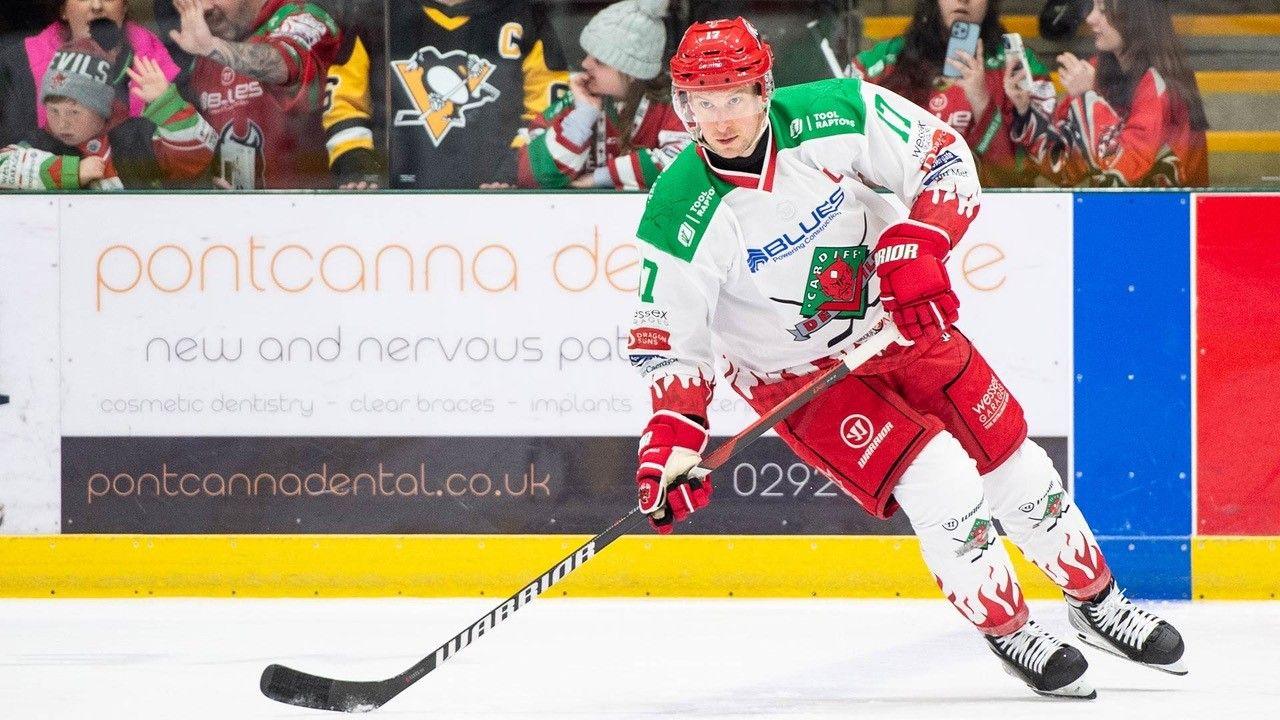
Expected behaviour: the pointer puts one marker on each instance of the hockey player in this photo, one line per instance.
(765, 244)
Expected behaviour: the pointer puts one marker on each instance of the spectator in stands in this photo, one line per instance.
(23, 63)
(1132, 116)
(258, 78)
(78, 148)
(617, 129)
(975, 104)
(465, 77)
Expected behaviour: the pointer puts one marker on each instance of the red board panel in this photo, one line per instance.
(1238, 364)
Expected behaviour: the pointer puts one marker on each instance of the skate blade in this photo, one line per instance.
(1078, 690)
(1177, 667)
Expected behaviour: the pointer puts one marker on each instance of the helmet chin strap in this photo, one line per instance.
(764, 127)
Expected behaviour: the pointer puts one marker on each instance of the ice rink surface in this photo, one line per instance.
(610, 659)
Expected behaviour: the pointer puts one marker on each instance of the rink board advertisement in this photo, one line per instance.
(431, 484)
(438, 315)
(342, 364)
(297, 368)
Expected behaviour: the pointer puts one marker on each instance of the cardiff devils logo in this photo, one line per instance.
(981, 536)
(836, 289)
(837, 282)
(1054, 505)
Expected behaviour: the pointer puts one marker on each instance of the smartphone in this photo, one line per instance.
(1013, 48)
(964, 38)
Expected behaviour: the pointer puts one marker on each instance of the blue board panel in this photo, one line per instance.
(1149, 567)
(1132, 317)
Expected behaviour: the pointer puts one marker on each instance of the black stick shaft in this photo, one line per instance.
(303, 689)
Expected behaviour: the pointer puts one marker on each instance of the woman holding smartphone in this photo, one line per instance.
(962, 83)
(1132, 116)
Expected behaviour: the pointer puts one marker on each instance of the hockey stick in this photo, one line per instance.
(295, 687)
(824, 46)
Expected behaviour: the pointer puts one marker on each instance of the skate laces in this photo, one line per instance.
(1117, 616)
(1030, 646)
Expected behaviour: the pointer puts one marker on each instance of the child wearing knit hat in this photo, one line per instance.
(616, 129)
(78, 149)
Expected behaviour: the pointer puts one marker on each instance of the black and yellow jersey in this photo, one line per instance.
(437, 96)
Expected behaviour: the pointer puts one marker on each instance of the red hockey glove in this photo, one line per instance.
(670, 447)
(914, 285)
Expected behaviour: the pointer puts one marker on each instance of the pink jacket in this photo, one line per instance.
(42, 46)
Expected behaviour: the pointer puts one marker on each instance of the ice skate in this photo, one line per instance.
(1047, 665)
(1111, 622)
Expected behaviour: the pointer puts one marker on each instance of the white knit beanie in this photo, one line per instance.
(629, 36)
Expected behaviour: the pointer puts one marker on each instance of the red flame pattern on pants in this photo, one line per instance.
(1046, 524)
(1080, 570)
(1000, 608)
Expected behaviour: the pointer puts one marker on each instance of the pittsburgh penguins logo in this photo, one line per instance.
(442, 88)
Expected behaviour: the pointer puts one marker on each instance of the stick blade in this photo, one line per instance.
(294, 687)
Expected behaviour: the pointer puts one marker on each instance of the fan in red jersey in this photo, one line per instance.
(259, 79)
(965, 91)
(1132, 117)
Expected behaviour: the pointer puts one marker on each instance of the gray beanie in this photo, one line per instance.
(80, 71)
(629, 36)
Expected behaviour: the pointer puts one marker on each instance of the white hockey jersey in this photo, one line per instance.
(773, 272)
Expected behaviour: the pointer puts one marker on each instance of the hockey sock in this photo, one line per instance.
(1043, 520)
(941, 493)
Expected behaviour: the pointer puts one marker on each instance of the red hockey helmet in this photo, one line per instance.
(720, 53)
(714, 57)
